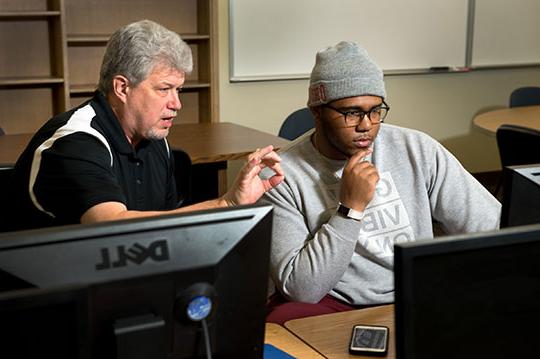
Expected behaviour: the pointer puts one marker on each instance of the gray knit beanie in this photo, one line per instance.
(342, 71)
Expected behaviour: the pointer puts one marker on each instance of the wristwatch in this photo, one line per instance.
(349, 212)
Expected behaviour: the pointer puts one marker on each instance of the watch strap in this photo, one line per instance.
(349, 212)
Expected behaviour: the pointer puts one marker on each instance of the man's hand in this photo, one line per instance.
(248, 186)
(358, 181)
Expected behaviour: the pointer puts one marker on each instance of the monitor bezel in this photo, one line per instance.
(256, 220)
(405, 255)
(514, 199)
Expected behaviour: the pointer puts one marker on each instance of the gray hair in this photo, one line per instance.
(135, 49)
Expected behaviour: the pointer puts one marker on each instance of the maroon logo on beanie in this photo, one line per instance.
(317, 94)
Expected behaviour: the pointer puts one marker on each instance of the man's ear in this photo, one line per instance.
(120, 87)
(316, 112)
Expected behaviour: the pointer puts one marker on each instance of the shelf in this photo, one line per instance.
(85, 40)
(194, 37)
(195, 85)
(28, 15)
(82, 89)
(29, 81)
(52, 52)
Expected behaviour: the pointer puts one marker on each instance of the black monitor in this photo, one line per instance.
(521, 196)
(146, 288)
(469, 296)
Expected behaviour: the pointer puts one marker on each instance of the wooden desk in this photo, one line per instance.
(330, 334)
(222, 141)
(204, 142)
(209, 145)
(281, 338)
(526, 116)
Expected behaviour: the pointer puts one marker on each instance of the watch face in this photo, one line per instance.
(343, 210)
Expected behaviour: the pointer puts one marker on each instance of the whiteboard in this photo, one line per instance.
(278, 39)
(506, 32)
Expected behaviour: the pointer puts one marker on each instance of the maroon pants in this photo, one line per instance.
(281, 310)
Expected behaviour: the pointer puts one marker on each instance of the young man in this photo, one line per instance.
(108, 159)
(356, 186)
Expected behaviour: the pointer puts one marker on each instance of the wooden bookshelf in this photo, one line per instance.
(52, 52)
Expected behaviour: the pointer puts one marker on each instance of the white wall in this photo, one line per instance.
(442, 105)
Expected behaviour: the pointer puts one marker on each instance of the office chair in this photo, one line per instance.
(525, 96)
(517, 146)
(6, 172)
(182, 176)
(296, 124)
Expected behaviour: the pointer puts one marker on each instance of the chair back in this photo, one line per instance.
(296, 124)
(6, 173)
(518, 145)
(525, 96)
(182, 176)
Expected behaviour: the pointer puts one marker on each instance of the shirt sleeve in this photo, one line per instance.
(458, 201)
(306, 266)
(73, 175)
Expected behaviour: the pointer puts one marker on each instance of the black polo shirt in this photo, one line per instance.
(82, 158)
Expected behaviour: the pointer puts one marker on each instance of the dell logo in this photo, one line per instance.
(137, 254)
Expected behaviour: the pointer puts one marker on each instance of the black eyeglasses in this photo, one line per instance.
(355, 116)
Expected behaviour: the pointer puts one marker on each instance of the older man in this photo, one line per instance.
(108, 158)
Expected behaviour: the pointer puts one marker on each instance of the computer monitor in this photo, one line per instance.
(122, 289)
(469, 296)
(521, 196)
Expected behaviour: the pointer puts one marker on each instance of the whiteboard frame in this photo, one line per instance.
(233, 77)
(468, 65)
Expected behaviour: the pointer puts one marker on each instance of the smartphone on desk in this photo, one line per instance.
(369, 340)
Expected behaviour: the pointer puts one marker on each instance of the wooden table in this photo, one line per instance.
(526, 116)
(282, 339)
(222, 141)
(209, 145)
(204, 142)
(330, 334)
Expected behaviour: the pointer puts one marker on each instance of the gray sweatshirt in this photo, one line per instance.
(316, 251)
